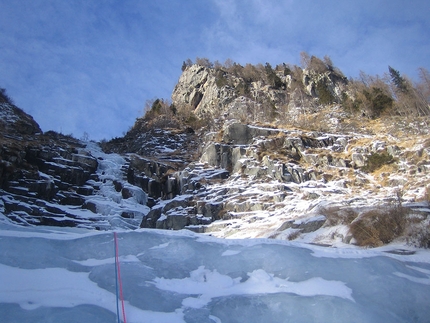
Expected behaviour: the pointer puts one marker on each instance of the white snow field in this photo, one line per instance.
(68, 275)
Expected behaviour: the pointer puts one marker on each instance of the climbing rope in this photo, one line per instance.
(118, 283)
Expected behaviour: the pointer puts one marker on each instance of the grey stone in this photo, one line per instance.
(358, 159)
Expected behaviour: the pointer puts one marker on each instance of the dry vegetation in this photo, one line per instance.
(418, 234)
(382, 225)
(294, 235)
(162, 114)
(379, 226)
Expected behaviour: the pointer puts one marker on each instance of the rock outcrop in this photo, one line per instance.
(217, 93)
(15, 122)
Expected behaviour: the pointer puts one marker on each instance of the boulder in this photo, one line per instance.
(71, 198)
(150, 219)
(305, 225)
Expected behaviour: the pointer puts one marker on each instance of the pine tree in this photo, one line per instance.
(398, 80)
(272, 78)
(4, 97)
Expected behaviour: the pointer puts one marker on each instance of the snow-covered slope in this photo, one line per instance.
(68, 275)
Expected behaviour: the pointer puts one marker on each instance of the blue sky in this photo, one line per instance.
(90, 65)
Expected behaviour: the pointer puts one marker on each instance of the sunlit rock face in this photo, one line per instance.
(221, 93)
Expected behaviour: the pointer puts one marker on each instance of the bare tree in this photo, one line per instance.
(328, 62)
(424, 85)
(203, 61)
(305, 59)
(228, 63)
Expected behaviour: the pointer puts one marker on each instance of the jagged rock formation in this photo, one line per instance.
(216, 93)
(50, 179)
(237, 177)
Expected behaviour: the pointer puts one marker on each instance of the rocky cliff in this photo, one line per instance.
(52, 179)
(273, 159)
(254, 93)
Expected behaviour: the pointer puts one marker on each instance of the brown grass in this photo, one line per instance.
(379, 226)
(386, 170)
(294, 235)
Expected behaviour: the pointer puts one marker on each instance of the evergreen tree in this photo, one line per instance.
(272, 78)
(398, 80)
(4, 97)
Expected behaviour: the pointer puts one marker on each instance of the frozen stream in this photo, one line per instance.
(68, 275)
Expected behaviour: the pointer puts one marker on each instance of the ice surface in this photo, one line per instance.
(68, 275)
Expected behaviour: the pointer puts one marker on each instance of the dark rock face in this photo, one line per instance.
(174, 148)
(41, 173)
(15, 122)
(244, 141)
(46, 171)
(188, 209)
(175, 214)
(38, 171)
(152, 177)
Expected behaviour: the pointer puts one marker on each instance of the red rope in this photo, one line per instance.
(121, 297)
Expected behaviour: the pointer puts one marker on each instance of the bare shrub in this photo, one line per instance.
(163, 122)
(317, 65)
(294, 235)
(305, 59)
(370, 96)
(186, 116)
(418, 235)
(203, 61)
(411, 100)
(250, 73)
(379, 226)
(156, 107)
